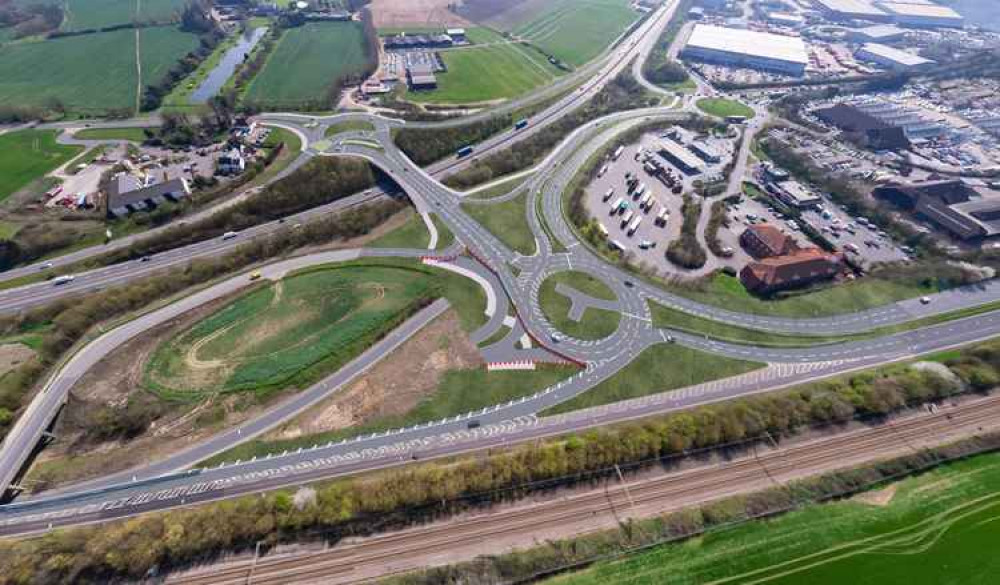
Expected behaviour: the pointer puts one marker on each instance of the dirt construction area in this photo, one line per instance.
(415, 13)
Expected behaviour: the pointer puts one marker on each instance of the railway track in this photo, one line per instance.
(371, 557)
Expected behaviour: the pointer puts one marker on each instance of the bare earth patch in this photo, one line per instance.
(415, 13)
(13, 355)
(396, 384)
(880, 498)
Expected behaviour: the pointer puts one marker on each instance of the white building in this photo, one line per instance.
(922, 15)
(746, 48)
(231, 162)
(851, 10)
(880, 33)
(890, 58)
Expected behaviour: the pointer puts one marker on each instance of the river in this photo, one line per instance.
(227, 65)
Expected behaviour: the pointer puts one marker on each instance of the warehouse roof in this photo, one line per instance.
(679, 153)
(851, 7)
(881, 31)
(930, 10)
(748, 42)
(895, 55)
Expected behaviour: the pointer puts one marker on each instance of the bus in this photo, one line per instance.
(634, 225)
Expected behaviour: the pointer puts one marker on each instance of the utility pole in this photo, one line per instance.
(253, 565)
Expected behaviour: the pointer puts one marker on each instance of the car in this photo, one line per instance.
(670, 339)
(629, 283)
(555, 337)
(145, 259)
(925, 300)
(646, 245)
(255, 275)
(45, 266)
(473, 424)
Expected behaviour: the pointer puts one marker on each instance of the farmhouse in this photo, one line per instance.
(766, 241)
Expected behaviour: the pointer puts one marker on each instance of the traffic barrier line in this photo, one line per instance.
(516, 365)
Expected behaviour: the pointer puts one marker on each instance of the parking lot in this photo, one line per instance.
(647, 243)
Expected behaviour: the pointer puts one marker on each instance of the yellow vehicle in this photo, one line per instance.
(255, 275)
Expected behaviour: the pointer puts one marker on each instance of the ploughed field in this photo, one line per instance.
(288, 333)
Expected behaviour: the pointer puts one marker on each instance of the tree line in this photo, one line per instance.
(400, 497)
(427, 145)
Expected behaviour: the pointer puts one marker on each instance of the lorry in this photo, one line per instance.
(229, 235)
(646, 201)
(662, 217)
(616, 205)
(521, 124)
(464, 151)
(64, 279)
(602, 229)
(618, 153)
(639, 192)
(608, 194)
(634, 225)
(603, 170)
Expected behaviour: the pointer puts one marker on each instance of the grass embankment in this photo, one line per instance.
(723, 107)
(658, 369)
(667, 318)
(595, 323)
(451, 397)
(307, 59)
(349, 126)
(27, 155)
(865, 293)
(932, 530)
(412, 234)
(290, 333)
(507, 221)
(500, 189)
(119, 133)
(513, 70)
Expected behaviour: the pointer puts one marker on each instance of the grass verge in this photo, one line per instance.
(658, 369)
(507, 222)
(595, 323)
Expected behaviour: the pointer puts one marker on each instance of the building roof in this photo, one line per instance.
(798, 192)
(985, 212)
(800, 266)
(748, 42)
(927, 10)
(881, 31)
(773, 239)
(680, 153)
(859, 7)
(851, 119)
(894, 55)
(785, 17)
(118, 198)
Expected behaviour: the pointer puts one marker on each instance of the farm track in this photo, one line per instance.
(410, 549)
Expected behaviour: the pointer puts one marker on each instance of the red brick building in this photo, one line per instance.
(799, 268)
(765, 241)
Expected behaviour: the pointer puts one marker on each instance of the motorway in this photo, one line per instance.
(175, 482)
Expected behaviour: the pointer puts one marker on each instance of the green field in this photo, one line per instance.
(349, 126)
(306, 62)
(507, 221)
(27, 155)
(576, 31)
(939, 528)
(864, 293)
(288, 332)
(595, 323)
(90, 73)
(120, 133)
(90, 14)
(722, 107)
(514, 69)
(658, 369)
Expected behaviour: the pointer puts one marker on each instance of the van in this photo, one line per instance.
(64, 279)
(229, 235)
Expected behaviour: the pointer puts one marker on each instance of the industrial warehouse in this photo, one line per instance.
(746, 48)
